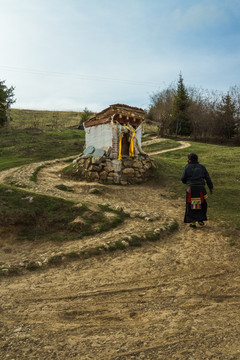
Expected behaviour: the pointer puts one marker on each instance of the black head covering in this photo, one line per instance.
(193, 157)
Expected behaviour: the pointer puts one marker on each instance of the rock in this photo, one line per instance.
(137, 164)
(18, 329)
(79, 221)
(128, 171)
(109, 167)
(109, 180)
(29, 198)
(96, 160)
(93, 175)
(103, 175)
(127, 238)
(118, 207)
(147, 165)
(116, 178)
(162, 228)
(98, 153)
(117, 165)
(87, 163)
(149, 218)
(123, 182)
(94, 168)
(137, 174)
(109, 215)
(127, 163)
(5, 271)
(76, 160)
(89, 150)
(134, 213)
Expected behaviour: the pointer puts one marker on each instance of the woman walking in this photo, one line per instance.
(194, 176)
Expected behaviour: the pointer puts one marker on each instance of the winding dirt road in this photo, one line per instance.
(177, 298)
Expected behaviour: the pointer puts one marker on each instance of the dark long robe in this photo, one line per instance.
(196, 204)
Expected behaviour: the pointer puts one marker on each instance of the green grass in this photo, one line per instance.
(35, 173)
(162, 145)
(45, 218)
(146, 138)
(63, 187)
(222, 163)
(44, 119)
(20, 147)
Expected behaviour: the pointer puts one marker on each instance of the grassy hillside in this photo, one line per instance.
(44, 119)
(24, 146)
(222, 163)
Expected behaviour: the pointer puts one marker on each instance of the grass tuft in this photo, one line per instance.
(35, 173)
(64, 188)
(32, 266)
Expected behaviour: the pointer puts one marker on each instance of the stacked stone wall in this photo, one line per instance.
(129, 170)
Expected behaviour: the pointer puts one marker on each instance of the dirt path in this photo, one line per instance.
(154, 140)
(177, 298)
(183, 145)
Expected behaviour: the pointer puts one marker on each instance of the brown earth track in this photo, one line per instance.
(178, 298)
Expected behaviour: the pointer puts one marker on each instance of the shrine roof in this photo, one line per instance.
(131, 113)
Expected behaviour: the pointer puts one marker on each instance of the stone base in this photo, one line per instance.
(129, 170)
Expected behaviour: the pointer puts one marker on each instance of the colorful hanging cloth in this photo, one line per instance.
(131, 146)
(196, 197)
(120, 148)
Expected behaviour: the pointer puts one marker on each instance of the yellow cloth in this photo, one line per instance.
(120, 148)
(131, 146)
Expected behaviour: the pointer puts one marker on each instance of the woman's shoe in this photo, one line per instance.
(201, 223)
(193, 226)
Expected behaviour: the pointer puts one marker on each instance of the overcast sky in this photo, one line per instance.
(72, 54)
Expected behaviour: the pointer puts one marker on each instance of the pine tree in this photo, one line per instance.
(181, 122)
(6, 99)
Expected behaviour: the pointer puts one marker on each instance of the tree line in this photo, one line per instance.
(200, 114)
(177, 110)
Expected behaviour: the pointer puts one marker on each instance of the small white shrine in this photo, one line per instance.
(118, 128)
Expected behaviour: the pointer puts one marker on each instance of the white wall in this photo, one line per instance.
(139, 134)
(106, 135)
(99, 136)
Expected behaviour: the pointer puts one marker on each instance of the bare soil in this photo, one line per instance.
(177, 298)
